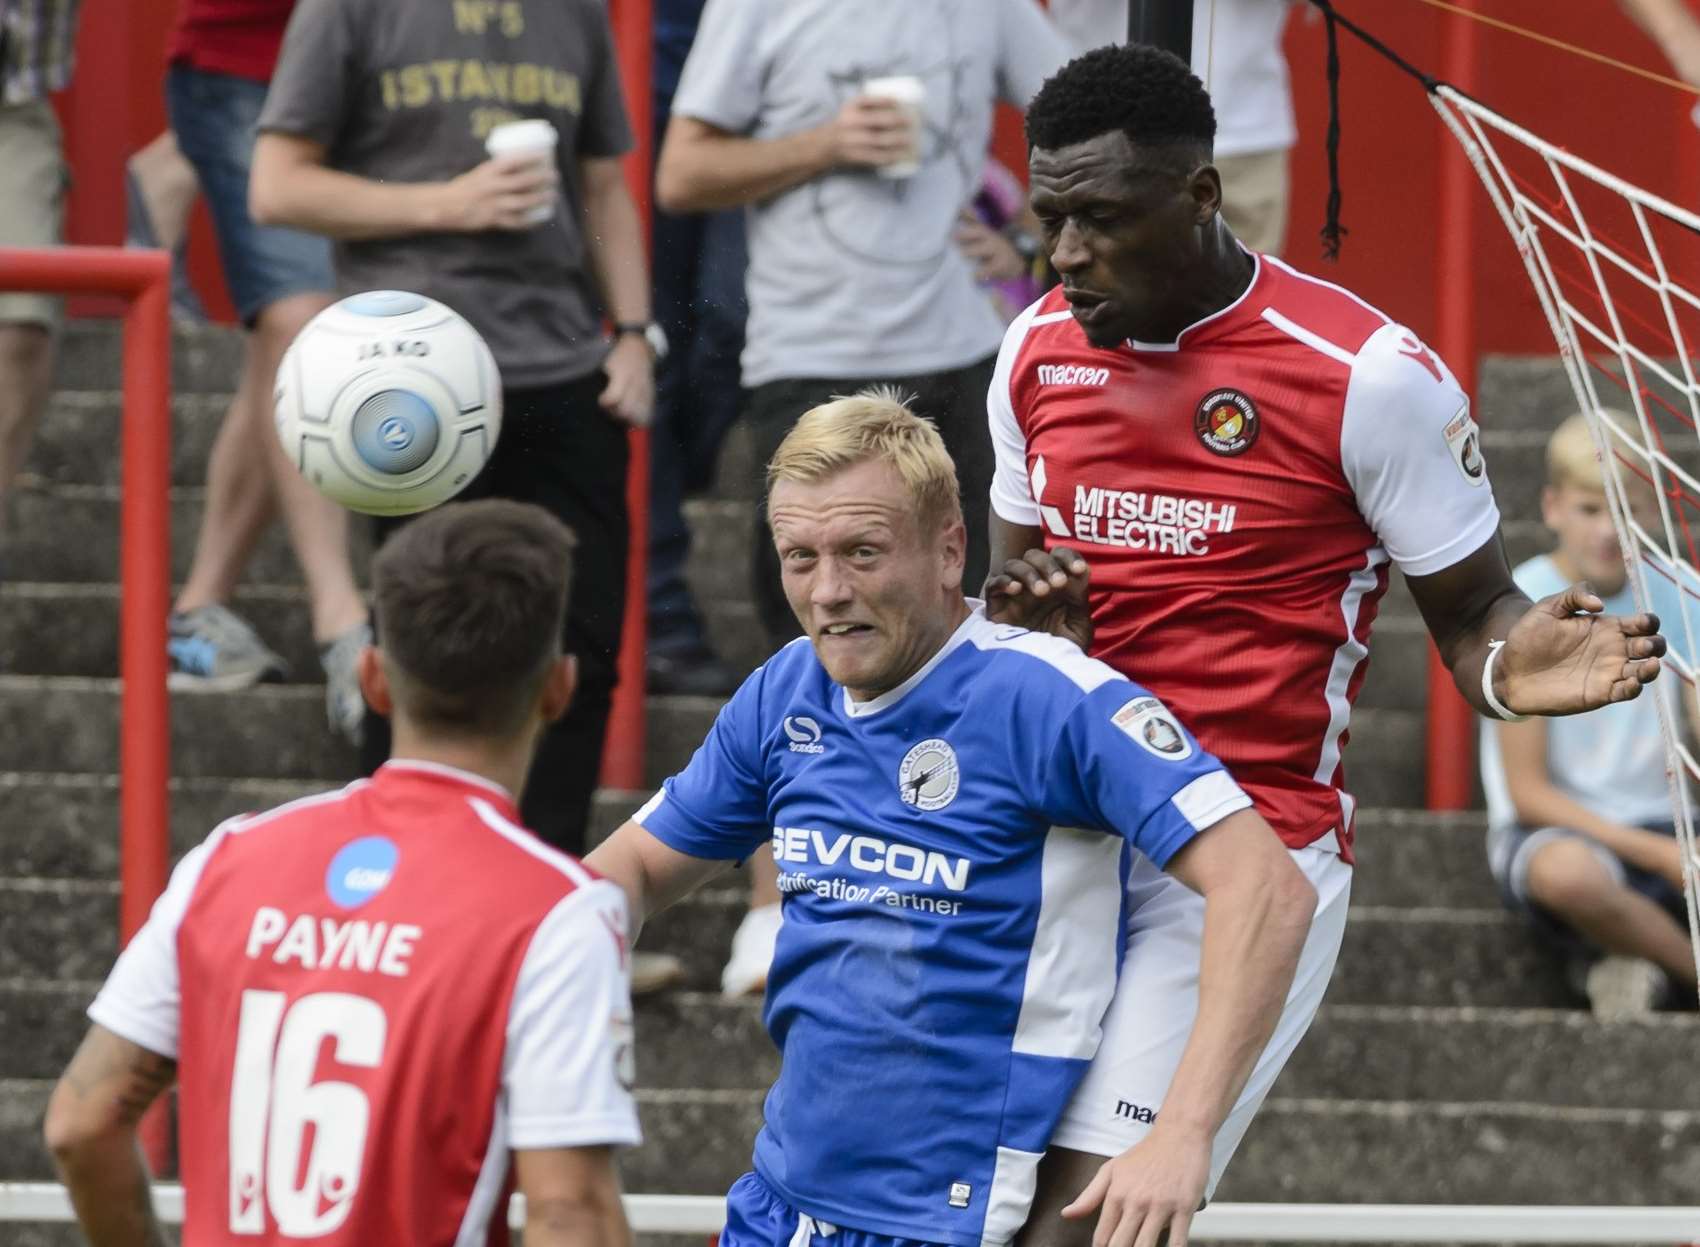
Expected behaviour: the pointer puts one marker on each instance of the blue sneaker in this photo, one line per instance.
(213, 650)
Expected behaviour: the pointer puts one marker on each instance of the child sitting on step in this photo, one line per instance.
(1580, 830)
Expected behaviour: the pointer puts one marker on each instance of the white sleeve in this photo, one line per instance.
(140, 999)
(1012, 492)
(1413, 455)
(567, 1071)
(724, 72)
(1033, 49)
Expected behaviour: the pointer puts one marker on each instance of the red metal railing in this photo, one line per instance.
(622, 756)
(143, 279)
(1451, 726)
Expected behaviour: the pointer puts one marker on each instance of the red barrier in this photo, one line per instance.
(1451, 728)
(143, 280)
(622, 756)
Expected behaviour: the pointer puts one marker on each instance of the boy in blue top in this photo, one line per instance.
(953, 806)
(1580, 826)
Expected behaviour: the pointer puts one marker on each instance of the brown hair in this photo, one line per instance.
(470, 603)
(874, 424)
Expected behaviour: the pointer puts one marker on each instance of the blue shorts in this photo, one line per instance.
(757, 1217)
(213, 116)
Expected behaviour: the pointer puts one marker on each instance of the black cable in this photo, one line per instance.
(1332, 231)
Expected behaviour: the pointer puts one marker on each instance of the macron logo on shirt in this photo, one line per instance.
(1072, 374)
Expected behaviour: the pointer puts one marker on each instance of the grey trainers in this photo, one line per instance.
(1621, 989)
(345, 705)
(214, 650)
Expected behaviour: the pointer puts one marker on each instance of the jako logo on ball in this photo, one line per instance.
(361, 870)
(388, 402)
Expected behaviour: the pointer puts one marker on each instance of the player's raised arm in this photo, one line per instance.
(91, 1131)
(1411, 451)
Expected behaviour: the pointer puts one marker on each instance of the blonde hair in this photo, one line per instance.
(875, 424)
(1571, 455)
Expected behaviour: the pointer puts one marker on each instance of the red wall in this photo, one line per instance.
(1390, 150)
(1392, 140)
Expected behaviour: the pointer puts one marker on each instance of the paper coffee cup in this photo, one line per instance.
(535, 138)
(910, 93)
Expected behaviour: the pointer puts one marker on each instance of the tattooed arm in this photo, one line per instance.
(91, 1131)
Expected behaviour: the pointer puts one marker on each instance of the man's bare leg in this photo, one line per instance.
(318, 527)
(240, 497)
(1063, 1174)
(168, 187)
(26, 375)
(1566, 879)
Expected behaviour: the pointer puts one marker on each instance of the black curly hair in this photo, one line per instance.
(1150, 95)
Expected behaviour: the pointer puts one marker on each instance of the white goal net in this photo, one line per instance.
(1608, 260)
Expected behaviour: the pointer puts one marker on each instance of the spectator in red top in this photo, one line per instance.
(222, 54)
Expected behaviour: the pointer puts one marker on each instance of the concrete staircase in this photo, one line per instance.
(1449, 1064)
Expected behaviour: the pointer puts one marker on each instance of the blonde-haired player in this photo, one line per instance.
(1579, 809)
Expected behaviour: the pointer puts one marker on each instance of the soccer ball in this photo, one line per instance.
(388, 402)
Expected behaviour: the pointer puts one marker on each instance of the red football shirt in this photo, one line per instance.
(373, 996)
(1239, 494)
(236, 37)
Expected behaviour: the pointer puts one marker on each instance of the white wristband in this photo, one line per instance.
(1487, 686)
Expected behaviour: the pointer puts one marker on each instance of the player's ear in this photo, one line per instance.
(558, 688)
(1205, 186)
(953, 551)
(374, 682)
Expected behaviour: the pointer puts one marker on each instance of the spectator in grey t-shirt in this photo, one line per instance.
(854, 278)
(373, 134)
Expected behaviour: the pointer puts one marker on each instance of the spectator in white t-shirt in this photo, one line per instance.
(1236, 50)
(1580, 827)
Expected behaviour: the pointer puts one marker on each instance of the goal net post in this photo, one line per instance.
(1607, 261)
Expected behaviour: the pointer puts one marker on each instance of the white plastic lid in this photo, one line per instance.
(534, 134)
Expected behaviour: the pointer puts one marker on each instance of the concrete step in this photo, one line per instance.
(72, 629)
(68, 533)
(1418, 859)
(693, 1040)
(278, 731)
(274, 731)
(65, 826)
(204, 358)
(1459, 957)
(56, 928)
(1309, 1151)
(1298, 1150)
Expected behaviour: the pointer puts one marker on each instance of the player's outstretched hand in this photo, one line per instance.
(1564, 657)
(1156, 1185)
(1045, 591)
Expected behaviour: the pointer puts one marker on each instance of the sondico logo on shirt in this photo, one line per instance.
(1072, 374)
(805, 734)
(1134, 519)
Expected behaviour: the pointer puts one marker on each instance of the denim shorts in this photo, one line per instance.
(1512, 847)
(213, 116)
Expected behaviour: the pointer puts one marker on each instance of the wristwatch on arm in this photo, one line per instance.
(649, 331)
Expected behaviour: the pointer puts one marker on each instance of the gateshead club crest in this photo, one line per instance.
(1226, 422)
